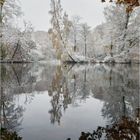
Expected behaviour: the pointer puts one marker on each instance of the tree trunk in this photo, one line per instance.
(75, 43)
(0, 13)
(111, 48)
(125, 29)
(65, 46)
(124, 106)
(85, 47)
(59, 32)
(15, 50)
(1, 31)
(1, 6)
(1, 27)
(85, 76)
(0, 23)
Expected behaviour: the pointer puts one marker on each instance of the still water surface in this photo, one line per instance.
(56, 102)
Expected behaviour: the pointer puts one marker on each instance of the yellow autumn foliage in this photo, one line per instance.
(130, 4)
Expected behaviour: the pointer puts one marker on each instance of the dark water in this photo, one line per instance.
(49, 102)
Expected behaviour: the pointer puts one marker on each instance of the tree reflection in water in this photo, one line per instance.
(65, 89)
(11, 114)
(125, 128)
(107, 83)
(119, 89)
(117, 86)
(60, 95)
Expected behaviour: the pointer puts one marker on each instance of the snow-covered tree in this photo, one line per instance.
(1, 25)
(60, 29)
(120, 25)
(75, 31)
(67, 27)
(17, 44)
(85, 30)
(130, 5)
(1, 8)
(10, 9)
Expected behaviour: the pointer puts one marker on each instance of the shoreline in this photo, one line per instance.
(15, 62)
(70, 62)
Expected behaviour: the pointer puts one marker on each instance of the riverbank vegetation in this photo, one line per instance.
(69, 39)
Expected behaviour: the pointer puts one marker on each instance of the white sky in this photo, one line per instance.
(36, 11)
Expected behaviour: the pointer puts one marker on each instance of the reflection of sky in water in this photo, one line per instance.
(36, 123)
(81, 98)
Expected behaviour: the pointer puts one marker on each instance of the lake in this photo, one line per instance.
(56, 102)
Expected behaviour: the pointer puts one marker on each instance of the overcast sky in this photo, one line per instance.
(36, 11)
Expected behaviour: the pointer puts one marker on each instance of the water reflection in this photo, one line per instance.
(68, 86)
(125, 128)
(10, 114)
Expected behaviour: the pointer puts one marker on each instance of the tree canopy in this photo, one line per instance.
(130, 4)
